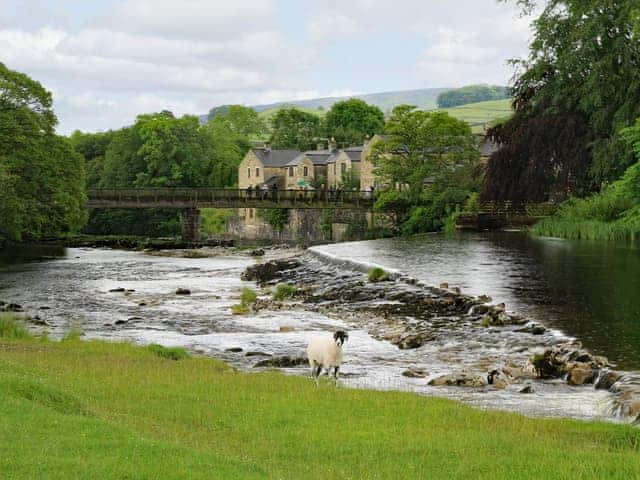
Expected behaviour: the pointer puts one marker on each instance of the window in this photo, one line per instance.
(257, 172)
(305, 172)
(291, 171)
(248, 173)
(343, 168)
(251, 213)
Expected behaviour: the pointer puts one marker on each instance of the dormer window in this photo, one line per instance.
(305, 171)
(291, 171)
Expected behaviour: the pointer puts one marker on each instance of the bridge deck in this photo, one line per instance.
(226, 198)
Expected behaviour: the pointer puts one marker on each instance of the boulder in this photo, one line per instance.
(533, 329)
(444, 285)
(234, 350)
(117, 290)
(580, 374)
(282, 362)
(528, 389)
(497, 379)
(286, 329)
(258, 252)
(459, 380)
(121, 322)
(257, 354)
(268, 271)
(183, 291)
(414, 372)
(410, 341)
(606, 379)
(549, 364)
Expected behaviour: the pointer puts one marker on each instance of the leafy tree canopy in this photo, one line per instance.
(294, 129)
(472, 94)
(41, 176)
(422, 145)
(351, 120)
(583, 70)
(243, 121)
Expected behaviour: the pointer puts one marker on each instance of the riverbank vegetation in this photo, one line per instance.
(41, 177)
(575, 99)
(93, 409)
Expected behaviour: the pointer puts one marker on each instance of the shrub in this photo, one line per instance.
(248, 296)
(239, 309)
(284, 290)
(13, 328)
(170, 353)
(378, 274)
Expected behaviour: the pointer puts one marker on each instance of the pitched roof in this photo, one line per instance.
(354, 153)
(275, 158)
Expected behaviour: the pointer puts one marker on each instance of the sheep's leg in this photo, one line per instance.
(335, 374)
(315, 373)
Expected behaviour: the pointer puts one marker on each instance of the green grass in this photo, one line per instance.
(377, 274)
(112, 411)
(481, 113)
(284, 291)
(240, 309)
(170, 353)
(11, 326)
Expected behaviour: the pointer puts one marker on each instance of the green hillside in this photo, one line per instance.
(479, 114)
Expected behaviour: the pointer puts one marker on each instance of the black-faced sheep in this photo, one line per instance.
(325, 352)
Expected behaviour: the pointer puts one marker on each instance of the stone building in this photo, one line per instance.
(323, 168)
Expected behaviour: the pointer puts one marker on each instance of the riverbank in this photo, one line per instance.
(111, 410)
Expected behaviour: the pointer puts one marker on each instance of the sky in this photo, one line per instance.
(105, 61)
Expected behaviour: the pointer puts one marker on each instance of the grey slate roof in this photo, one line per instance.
(275, 158)
(354, 153)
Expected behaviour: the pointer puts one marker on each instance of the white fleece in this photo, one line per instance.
(324, 352)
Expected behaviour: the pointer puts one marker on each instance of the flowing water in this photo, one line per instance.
(581, 290)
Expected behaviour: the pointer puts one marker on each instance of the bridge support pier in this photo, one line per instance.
(190, 218)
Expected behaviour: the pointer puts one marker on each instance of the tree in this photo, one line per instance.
(294, 129)
(471, 94)
(583, 70)
(41, 176)
(351, 120)
(422, 145)
(244, 121)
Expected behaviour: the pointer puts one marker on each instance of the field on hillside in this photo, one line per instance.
(267, 114)
(78, 409)
(478, 114)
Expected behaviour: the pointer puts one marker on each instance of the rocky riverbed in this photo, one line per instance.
(464, 330)
(404, 334)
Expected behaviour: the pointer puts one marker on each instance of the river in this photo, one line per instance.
(582, 290)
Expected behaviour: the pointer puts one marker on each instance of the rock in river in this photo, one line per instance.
(413, 372)
(282, 362)
(459, 380)
(183, 291)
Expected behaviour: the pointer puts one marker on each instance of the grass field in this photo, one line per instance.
(79, 409)
(478, 114)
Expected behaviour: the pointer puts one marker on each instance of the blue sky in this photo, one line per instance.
(106, 61)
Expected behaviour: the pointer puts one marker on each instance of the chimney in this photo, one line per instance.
(267, 147)
(332, 144)
(320, 146)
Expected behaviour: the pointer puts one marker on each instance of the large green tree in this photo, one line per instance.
(422, 145)
(351, 120)
(578, 88)
(41, 176)
(294, 129)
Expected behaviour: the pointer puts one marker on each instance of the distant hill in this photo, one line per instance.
(476, 114)
(425, 99)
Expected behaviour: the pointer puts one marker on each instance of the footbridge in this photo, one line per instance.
(189, 200)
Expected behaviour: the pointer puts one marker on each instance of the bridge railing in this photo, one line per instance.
(204, 195)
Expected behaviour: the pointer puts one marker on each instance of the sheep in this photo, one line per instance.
(326, 353)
